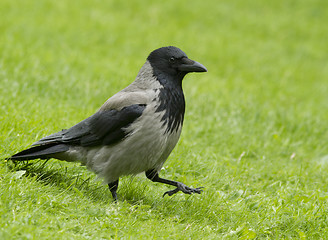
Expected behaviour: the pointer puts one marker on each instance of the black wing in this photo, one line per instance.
(102, 128)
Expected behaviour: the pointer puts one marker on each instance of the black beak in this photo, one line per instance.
(187, 65)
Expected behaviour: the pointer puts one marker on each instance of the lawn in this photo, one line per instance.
(255, 134)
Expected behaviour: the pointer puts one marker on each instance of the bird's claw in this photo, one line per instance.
(185, 189)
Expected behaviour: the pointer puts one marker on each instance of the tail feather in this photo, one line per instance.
(41, 151)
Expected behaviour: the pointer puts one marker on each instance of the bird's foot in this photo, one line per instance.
(113, 188)
(185, 189)
(114, 197)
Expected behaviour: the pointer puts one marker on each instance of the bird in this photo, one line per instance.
(134, 131)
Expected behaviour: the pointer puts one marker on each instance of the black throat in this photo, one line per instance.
(172, 102)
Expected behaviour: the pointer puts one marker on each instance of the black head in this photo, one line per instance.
(171, 61)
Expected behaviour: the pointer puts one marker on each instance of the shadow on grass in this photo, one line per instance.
(72, 177)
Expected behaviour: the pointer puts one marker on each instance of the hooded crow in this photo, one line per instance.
(134, 131)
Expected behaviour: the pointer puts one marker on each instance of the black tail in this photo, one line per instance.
(42, 151)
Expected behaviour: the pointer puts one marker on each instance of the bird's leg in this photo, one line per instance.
(153, 176)
(113, 188)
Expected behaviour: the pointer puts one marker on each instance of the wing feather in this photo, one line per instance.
(102, 128)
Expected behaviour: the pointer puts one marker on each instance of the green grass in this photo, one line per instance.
(255, 133)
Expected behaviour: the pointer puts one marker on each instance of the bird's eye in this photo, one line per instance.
(172, 60)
